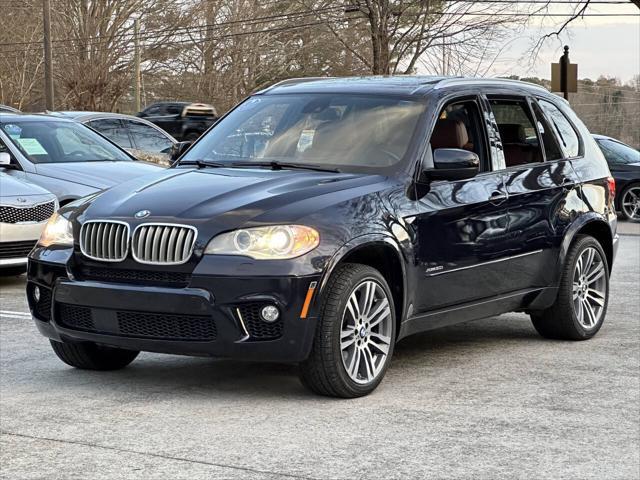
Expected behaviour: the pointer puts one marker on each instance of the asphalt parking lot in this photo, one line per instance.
(488, 399)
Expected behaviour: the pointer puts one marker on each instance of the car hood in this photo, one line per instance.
(99, 175)
(12, 187)
(228, 197)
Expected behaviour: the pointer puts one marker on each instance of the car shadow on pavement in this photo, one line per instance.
(170, 376)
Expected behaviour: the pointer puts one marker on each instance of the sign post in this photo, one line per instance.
(564, 75)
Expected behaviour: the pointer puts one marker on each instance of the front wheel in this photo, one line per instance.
(91, 356)
(355, 334)
(583, 296)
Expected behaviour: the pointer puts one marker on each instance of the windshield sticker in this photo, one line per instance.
(306, 140)
(32, 146)
(13, 131)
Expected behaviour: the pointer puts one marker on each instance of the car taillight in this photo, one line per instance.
(611, 182)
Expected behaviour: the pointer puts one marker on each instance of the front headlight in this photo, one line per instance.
(279, 242)
(57, 231)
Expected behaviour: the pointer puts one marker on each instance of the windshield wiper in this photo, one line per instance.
(283, 165)
(203, 163)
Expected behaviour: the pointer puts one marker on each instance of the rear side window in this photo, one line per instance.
(148, 138)
(618, 153)
(174, 109)
(517, 132)
(113, 129)
(567, 136)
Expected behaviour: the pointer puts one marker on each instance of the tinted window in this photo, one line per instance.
(148, 138)
(618, 153)
(459, 126)
(344, 131)
(567, 136)
(60, 141)
(551, 148)
(517, 132)
(113, 129)
(174, 109)
(153, 110)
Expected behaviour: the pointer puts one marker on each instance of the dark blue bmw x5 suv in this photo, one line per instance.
(322, 221)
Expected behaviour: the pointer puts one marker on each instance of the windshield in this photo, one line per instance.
(618, 153)
(60, 141)
(347, 132)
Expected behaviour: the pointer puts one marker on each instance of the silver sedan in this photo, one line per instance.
(24, 211)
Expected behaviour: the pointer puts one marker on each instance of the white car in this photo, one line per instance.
(24, 211)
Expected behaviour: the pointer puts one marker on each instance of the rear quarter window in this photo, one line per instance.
(562, 128)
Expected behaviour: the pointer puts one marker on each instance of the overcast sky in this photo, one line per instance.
(599, 45)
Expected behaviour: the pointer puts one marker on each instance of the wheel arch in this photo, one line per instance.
(594, 226)
(382, 253)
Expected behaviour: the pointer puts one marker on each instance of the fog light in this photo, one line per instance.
(269, 313)
(36, 294)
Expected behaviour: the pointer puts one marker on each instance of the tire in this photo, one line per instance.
(630, 202)
(90, 356)
(326, 371)
(569, 318)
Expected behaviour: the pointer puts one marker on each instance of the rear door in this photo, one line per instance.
(541, 184)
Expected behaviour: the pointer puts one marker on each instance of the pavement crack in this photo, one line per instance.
(158, 455)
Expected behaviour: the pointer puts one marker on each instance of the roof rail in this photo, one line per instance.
(293, 81)
(479, 80)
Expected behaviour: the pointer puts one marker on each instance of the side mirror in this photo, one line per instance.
(453, 164)
(5, 159)
(178, 149)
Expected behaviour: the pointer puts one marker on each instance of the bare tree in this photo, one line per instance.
(21, 57)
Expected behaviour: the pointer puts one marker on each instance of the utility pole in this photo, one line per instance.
(136, 33)
(48, 62)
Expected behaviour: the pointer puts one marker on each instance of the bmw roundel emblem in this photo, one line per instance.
(142, 214)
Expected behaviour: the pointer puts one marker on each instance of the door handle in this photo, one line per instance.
(497, 197)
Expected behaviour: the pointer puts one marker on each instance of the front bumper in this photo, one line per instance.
(209, 316)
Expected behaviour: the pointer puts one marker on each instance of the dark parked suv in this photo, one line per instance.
(322, 221)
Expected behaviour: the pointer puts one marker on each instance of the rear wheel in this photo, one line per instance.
(90, 356)
(583, 296)
(630, 202)
(355, 335)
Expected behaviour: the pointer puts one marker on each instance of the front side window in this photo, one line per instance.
(459, 126)
(113, 129)
(148, 138)
(563, 129)
(60, 141)
(517, 132)
(618, 153)
(348, 132)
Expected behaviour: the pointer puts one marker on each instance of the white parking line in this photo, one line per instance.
(9, 313)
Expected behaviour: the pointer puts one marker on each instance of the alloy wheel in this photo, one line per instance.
(366, 329)
(589, 288)
(631, 203)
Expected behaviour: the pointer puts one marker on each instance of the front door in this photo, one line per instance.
(461, 227)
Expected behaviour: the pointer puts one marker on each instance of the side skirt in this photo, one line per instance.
(477, 310)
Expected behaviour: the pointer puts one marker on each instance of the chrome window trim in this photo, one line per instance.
(163, 224)
(98, 259)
